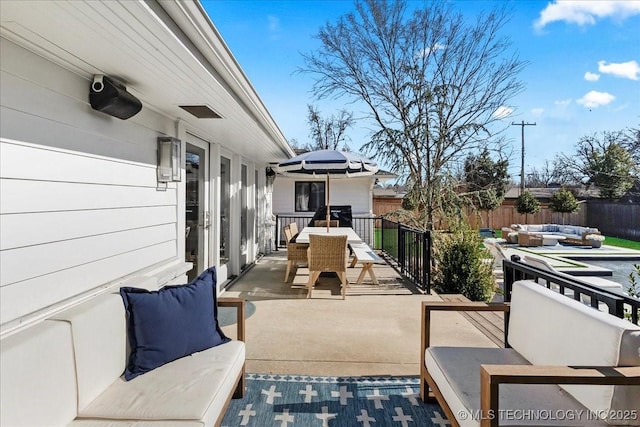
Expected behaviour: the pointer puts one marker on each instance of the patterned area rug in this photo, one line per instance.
(308, 401)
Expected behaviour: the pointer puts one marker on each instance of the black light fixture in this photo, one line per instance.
(111, 97)
(271, 176)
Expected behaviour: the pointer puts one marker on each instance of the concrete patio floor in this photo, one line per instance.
(374, 331)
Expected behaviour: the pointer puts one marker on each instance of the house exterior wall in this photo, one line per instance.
(81, 211)
(80, 204)
(356, 192)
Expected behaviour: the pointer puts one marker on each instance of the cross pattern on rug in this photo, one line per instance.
(307, 401)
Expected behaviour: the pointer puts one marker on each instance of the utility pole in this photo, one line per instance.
(522, 124)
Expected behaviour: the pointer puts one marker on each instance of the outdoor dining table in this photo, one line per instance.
(352, 237)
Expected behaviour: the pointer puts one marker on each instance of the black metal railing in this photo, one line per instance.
(618, 303)
(409, 249)
(362, 225)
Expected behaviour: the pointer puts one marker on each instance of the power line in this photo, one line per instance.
(522, 124)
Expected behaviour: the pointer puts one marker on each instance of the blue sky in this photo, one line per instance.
(583, 76)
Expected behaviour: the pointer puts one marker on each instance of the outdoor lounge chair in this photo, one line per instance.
(327, 253)
(296, 252)
(597, 282)
(499, 255)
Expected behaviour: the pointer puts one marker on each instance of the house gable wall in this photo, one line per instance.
(343, 191)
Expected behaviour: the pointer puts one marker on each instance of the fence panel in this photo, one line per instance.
(615, 219)
(507, 214)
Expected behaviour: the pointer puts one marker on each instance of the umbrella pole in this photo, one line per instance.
(327, 204)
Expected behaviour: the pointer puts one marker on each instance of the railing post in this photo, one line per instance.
(426, 262)
(401, 249)
(276, 233)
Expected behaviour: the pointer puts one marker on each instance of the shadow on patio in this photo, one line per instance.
(375, 331)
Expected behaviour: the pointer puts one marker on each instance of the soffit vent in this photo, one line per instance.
(201, 111)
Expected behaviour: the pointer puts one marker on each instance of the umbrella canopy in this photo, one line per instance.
(328, 163)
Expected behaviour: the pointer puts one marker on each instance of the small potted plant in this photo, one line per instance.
(595, 240)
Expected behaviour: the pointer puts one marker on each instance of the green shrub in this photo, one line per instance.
(459, 268)
(526, 204)
(633, 289)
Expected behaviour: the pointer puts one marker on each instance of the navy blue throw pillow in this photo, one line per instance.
(170, 323)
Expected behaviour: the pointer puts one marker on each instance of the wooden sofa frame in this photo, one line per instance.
(239, 305)
(492, 376)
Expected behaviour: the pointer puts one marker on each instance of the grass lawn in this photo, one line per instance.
(622, 243)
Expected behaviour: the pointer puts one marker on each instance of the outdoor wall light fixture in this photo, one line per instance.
(169, 159)
(109, 96)
(271, 176)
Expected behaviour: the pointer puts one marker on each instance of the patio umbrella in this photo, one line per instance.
(328, 163)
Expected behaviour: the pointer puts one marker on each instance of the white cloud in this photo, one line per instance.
(586, 12)
(273, 25)
(595, 99)
(502, 112)
(627, 70)
(537, 111)
(591, 77)
(429, 50)
(562, 103)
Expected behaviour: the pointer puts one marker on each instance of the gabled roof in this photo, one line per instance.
(547, 192)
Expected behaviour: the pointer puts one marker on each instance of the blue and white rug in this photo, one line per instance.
(308, 401)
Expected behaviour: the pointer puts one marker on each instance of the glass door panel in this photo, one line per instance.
(225, 208)
(196, 209)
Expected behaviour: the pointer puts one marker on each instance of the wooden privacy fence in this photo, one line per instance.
(611, 218)
(507, 214)
(615, 219)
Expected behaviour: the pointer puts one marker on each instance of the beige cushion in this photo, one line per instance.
(551, 329)
(456, 371)
(193, 388)
(99, 338)
(38, 381)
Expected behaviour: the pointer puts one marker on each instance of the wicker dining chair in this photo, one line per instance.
(294, 229)
(327, 253)
(323, 223)
(296, 252)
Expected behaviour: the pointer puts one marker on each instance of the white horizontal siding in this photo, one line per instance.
(17, 162)
(344, 191)
(43, 196)
(80, 206)
(41, 292)
(68, 254)
(27, 229)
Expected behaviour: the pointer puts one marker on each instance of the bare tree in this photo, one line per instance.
(328, 133)
(549, 173)
(431, 81)
(604, 160)
(630, 140)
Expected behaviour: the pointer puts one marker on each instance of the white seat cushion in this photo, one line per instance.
(192, 388)
(456, 371)
(99, 332)
(551, 329)
(38, 380)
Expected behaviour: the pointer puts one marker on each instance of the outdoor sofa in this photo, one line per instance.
(68, 370)
(531, 234)
(559, 348)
